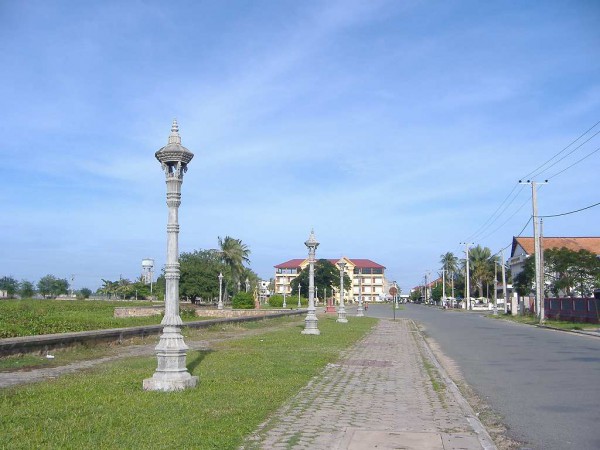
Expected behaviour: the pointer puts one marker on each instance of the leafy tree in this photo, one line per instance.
(50, 286)
(436, 292)
(85, 292)
(481, 268)
(10, 285)
(26, 289)
(327, 275)
(569, 270)
(200, 274)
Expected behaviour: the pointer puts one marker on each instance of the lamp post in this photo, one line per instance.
(247, 284)
(220, 306)
(360, 311)
(341, 310)
(171, 373)
(284, 304)
(396, 295)
(239, 286)
(299, 289)
(310, 323)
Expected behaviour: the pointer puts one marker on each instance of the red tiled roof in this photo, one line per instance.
(366, 263)
(291, 264)
(591, 244)
(359, 263)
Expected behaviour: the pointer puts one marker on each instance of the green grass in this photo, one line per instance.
(241, 383)
(530, 319)
(34, 317)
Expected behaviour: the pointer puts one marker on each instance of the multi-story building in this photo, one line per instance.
(363, 273)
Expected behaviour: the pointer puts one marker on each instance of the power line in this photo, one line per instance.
(506, 221)
(539, 167)
(576, 162)
(572, 212)
(568, 154)
(483, 227)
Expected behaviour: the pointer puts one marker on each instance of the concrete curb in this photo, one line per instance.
(484, 438)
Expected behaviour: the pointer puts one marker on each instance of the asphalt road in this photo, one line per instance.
(544, 383)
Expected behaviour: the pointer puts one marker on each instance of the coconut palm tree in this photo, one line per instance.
(234, 253)
(450, 264)
(482, 267)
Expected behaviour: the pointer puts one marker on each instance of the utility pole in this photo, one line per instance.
(443, 287)
(542, 298)
(495, 288)
(426, 289)
(504, 283)
(539, 275)
(467, 277)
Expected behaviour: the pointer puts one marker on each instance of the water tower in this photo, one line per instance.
(148, 271)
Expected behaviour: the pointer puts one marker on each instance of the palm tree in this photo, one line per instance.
(450, 265)
(482, 266)
(234, 253)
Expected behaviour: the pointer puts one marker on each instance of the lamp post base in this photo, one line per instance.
(360, 311)
(342, 315)
(171, 373)
(310, 324)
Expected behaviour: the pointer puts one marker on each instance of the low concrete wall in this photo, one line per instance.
(43, 343)
(138, 311)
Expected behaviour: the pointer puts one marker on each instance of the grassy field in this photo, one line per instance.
(34, 317)
(242, 381)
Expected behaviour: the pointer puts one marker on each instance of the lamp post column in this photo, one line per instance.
(342, 310)
(360, 311)
(172, 374)
(310, 323)
(220, 306)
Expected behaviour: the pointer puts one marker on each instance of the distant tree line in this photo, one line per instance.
(48, 286)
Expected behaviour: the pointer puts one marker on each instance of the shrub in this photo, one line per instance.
(276, 301)
(243, 300)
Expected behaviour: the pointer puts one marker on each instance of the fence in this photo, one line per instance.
(573, 309)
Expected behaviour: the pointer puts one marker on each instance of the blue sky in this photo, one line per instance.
(395, 129)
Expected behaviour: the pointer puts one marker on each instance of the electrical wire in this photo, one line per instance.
(483, 227)
(506, 221)
(568, 154)
(534, 171)
(572, 212)
(576, 162)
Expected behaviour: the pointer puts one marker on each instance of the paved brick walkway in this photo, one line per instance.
(380, 396)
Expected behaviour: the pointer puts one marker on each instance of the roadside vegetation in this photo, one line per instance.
(35, 317)
(532, 319)
(242, 381)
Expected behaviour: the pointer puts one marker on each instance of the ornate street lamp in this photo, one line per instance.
(247, 284)
(342, 310)
(310, 323)
(299, 289)
(360, 311)
(220, 306)
(172, 374)
(284, 303)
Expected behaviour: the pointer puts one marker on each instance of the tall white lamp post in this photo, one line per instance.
(360, 311)
(342, 310)
(284, 304)
(247, 284)
(172, 374)
(220, 305)
(310, 323)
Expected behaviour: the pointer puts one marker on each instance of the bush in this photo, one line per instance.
(276, 301)
(243, 300)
